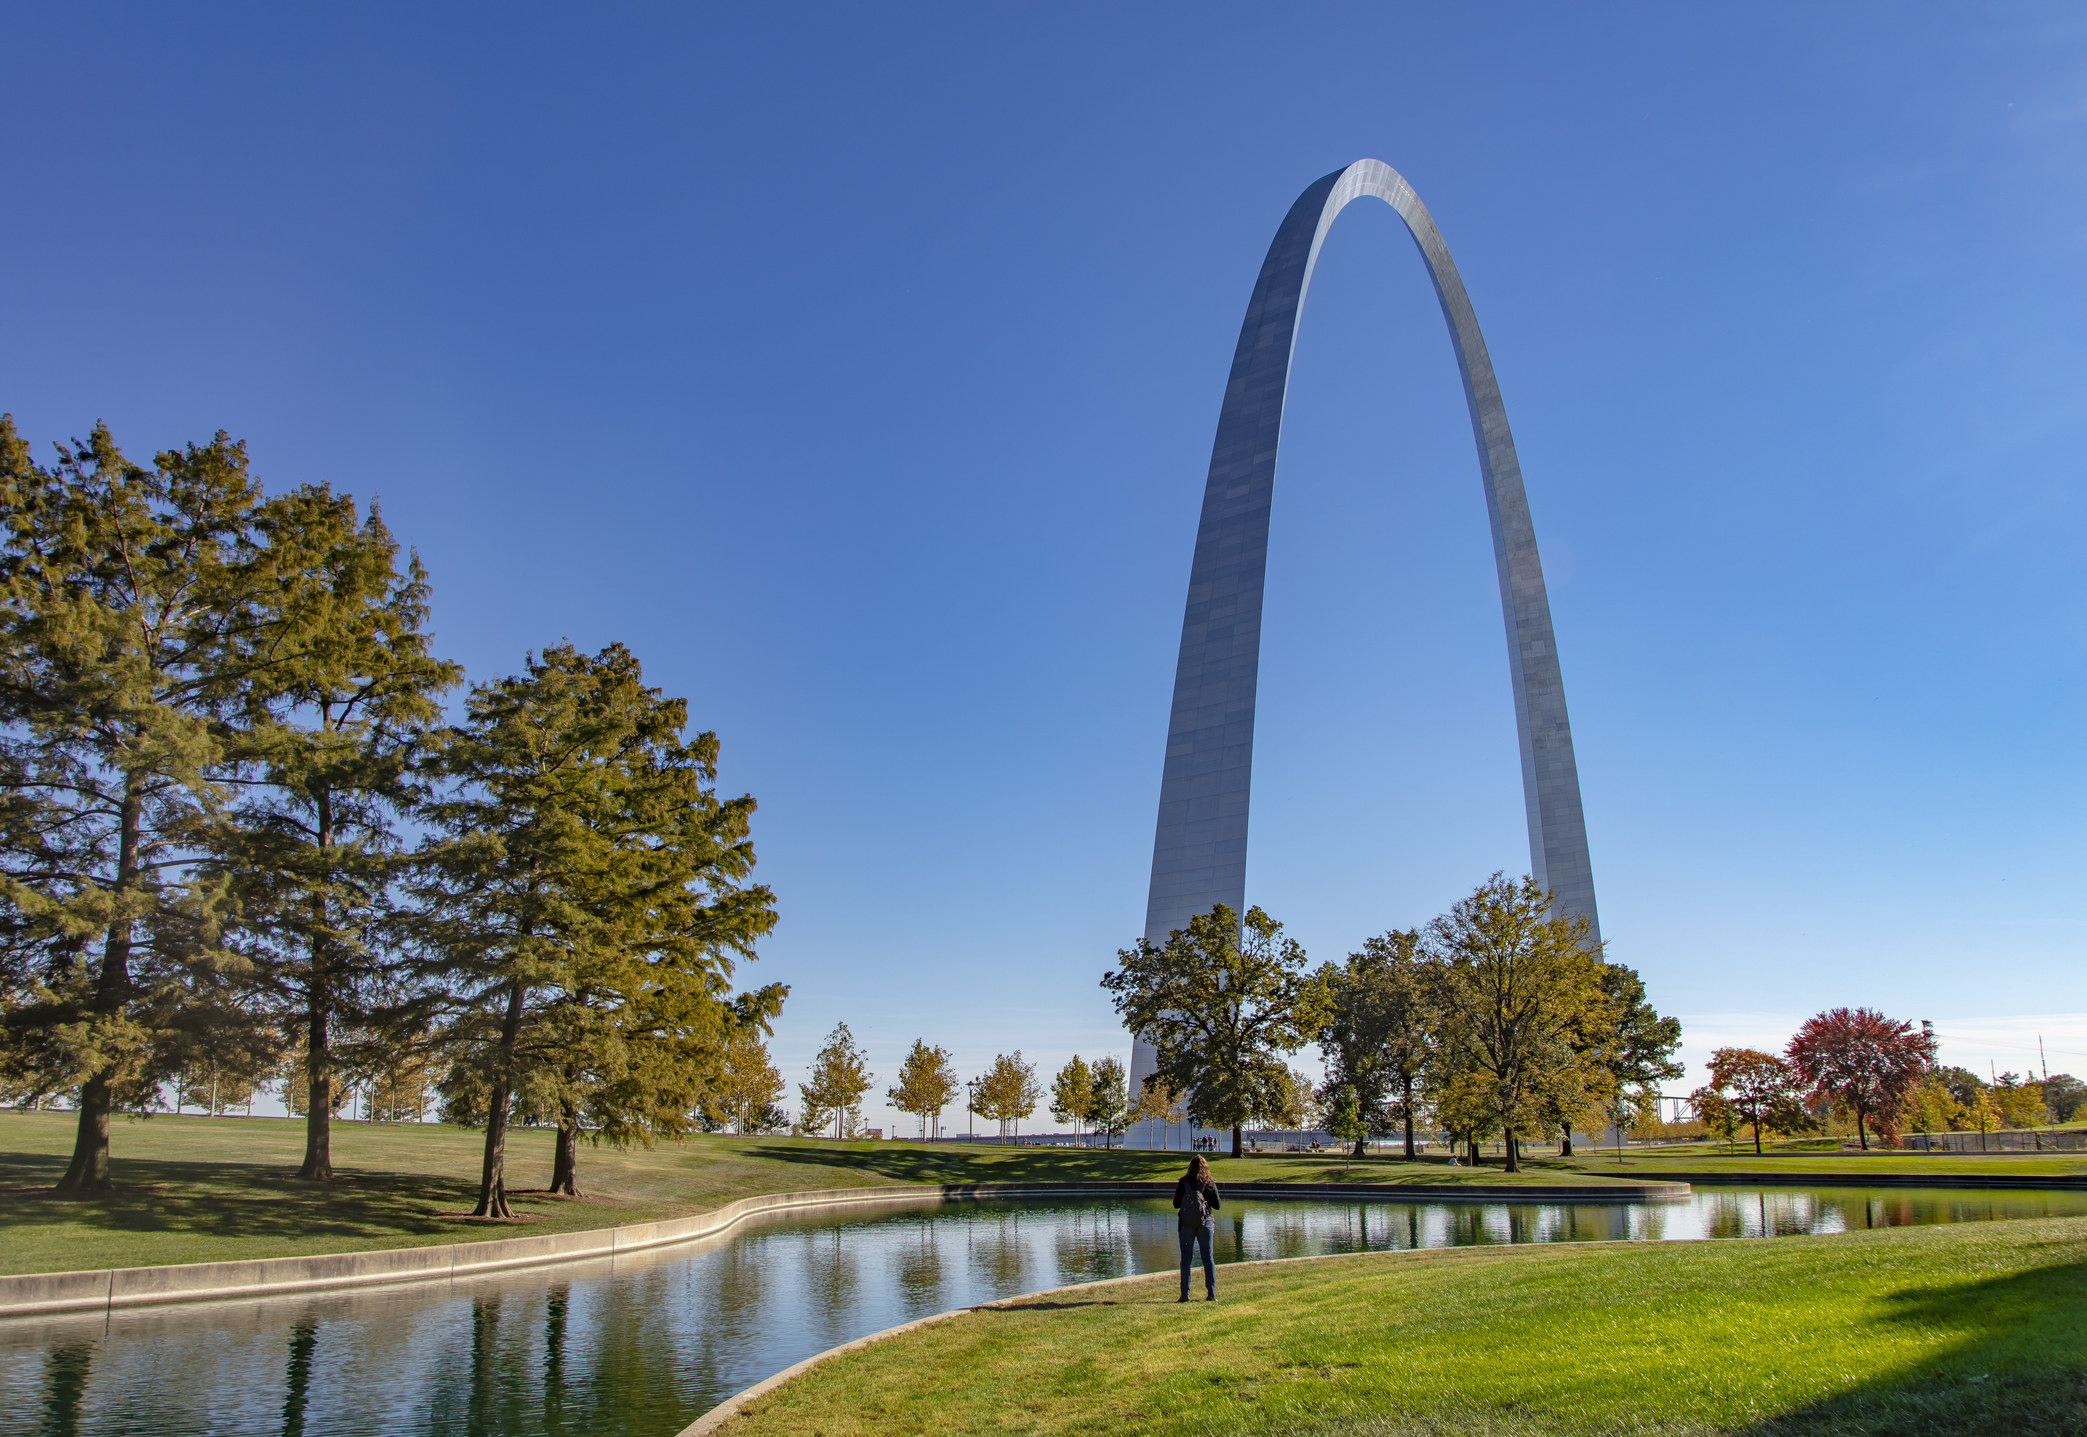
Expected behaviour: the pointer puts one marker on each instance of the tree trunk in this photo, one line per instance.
(1565, 1143)
(88, 1172)
(565, 1164)
(1361, 1148)
(318, 1038)
(1475, 1159)
(1510, 1161)
(492, 1181)
(1861, 1136)
(318, 1112)
(1237, 1150)
(1411, 1152)
(1757, 1137)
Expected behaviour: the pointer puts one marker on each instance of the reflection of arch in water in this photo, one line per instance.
(1199, 846)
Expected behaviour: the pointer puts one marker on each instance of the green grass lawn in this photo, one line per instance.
(1979, 1328)
(195, 1189)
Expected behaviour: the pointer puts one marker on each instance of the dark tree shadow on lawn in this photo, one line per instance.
(231, 1200)
(1002, 1310)
(2019, 1368)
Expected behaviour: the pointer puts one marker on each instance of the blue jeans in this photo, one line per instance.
(1191, 1239)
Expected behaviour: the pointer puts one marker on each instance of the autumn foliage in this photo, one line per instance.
(1864, 1062)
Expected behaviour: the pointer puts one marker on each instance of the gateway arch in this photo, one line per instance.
(1199, 851)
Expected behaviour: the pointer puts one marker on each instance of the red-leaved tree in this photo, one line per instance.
(1759, 1088)
(1862, 1060)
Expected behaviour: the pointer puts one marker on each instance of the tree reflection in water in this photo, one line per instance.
(1091, 1246)
(919, 1271)
(555, 1303)
(298, 1380)
(64, 1385)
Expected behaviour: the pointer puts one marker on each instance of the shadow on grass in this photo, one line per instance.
(1064, 1305)
(2019, 1368)
(2015, 1366)
(230, 1200)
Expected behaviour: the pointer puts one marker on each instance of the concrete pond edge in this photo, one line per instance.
(34, 1294)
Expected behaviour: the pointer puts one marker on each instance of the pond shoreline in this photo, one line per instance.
(44, 1293)
(724, 1411)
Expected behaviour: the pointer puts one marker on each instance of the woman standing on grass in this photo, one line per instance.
(1196, 1198)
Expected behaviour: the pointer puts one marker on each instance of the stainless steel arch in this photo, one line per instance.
(1199, 851)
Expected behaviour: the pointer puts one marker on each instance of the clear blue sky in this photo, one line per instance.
(858, 366)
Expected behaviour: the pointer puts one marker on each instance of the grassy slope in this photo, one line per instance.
(198, 1189)
(1972, 1329)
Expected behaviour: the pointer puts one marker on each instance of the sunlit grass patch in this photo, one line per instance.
(1934, 1330)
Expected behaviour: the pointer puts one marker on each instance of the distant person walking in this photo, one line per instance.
(1195, 1197)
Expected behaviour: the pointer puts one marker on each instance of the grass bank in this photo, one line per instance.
(1957, 1330)
(195, 1189)
(1652, 1163)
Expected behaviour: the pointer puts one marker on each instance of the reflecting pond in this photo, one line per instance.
(643, 1344)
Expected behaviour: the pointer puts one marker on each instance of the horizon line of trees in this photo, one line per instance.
(1495, 1020)
(1878, 1072)
(240, 834)
(1092, 1097)
(1498, 1019)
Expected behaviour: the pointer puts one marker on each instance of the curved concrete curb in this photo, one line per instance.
(37, 1293)
(717, 1416)
(27, 1294)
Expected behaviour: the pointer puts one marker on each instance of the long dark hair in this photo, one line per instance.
(1198, 1170)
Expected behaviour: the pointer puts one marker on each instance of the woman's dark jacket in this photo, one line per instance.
(1195, 1214)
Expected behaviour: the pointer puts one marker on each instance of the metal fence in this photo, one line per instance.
(2000, 1140)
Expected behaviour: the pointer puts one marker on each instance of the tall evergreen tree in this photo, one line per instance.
(126, 599)
(326, 766)
(586, 899)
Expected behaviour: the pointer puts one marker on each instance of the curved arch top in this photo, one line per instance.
(1199, 850)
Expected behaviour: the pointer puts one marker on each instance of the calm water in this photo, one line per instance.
(643, 1345)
